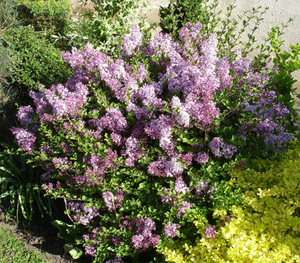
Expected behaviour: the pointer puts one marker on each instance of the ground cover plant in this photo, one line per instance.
(135, 144)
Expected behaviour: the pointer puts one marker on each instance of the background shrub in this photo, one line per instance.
(45, 15)
(106, 25)
(34, 59)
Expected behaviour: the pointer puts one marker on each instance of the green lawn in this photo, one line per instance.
(13, 250)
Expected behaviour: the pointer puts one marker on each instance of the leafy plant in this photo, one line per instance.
(34, 60)
(45, 15)
(105, 26)
(8, 15)
(20, 188)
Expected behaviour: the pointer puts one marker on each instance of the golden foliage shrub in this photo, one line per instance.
(265, 227)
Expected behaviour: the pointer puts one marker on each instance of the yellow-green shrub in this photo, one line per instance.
(265, 227)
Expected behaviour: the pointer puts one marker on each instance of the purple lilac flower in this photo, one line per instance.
(83, 214)
(132, 151)
(277, 139)
(24, 115)
(144, 238)
(145, 241)
(173, 167)
(74, 58)
(90, 250)
(202, 157)
(93, 235)
(182, 116)
(210, 232)
(113, 120)
(132, 41)
(215, 146)
(66, 148)
(62, 163)
(186, 158)
(59, 100)
(183, 207)
(46, 149)
(163, 45)
(47, 187)
(219, 148)
(205, 189)
(25, 138)
(116, 138)
(113, 201)
(180, 186)
(171, 229)
(168, 167)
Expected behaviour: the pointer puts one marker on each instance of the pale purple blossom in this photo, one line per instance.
(83, 214)
(180, 186)
(183, 207)
(144, 238)
(25, 138)
(113, 201)
(132, 41)
(219, 148)
(62, 163)
(202, 157)
(171, 229)
(210, 232)
(24, 115)
(204, 189)
(90, 250)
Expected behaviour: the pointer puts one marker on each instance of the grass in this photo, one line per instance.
(13, 250)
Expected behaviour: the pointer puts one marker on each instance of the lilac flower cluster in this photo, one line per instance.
(25, 138)
(113, 201)
(268, 112)
(219, 148)
(144, 238)
(83, 214)
(171, 230)
(90, 249)
(205, 189)
(210, 232)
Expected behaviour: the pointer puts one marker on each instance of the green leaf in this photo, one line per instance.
(73, 250)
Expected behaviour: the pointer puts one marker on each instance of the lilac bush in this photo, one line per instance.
(134, 143)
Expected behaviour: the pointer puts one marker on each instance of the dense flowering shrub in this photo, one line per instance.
(265, 227)
(135, 144)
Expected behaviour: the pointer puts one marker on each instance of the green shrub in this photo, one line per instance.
(8, 14)
(34, 59)
(265, 227)
(106, 26)
(45, 15)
